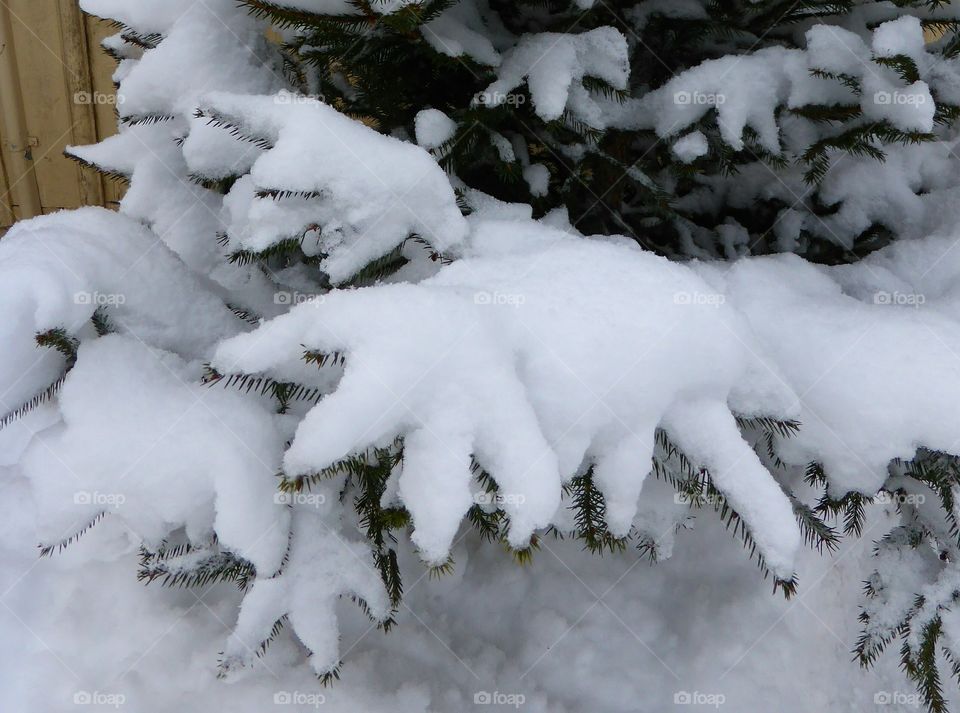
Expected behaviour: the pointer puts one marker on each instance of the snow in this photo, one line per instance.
(434, 128)
(554, 66)
(209, 46)
(490, 626)
(691, 147)
(708, 433)
(746, 90)
(834, 49)
(511, 357)
(161, 194)
(146, 17)
(841, 320)
(903, 36)
(321, 568)
(909, 108)
(811, 338)
(537, 177)
(156, 452)
(499, 322)
(461, 30)
(55, 271)
(373, 190)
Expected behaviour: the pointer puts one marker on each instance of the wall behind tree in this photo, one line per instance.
(66, 95)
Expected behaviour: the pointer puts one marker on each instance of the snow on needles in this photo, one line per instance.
(367, 192)
(747, 90)
(512, 355)
(481, 360)
(55, 271)
(554, 66)
(144, 442)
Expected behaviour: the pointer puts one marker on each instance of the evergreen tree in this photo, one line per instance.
(290, 151)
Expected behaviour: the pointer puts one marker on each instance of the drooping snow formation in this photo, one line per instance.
(479, 361)
(504, 359)
(163, 452)
(375, 190)
(57, 271)
(554, 66)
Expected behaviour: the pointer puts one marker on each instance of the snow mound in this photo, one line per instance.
(554, 66)
(365, 193)
(143, 444)
(57, 270)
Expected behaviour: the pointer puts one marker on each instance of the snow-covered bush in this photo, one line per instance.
(388, 271)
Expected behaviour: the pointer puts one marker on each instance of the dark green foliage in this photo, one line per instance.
(284, 392)
(204, 566)
(927, 540)
(589, 513)
(619, 183)
(281, 254)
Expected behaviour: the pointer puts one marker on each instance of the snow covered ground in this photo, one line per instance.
(571, 633)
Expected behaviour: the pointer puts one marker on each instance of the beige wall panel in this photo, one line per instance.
(59, 57)
(36, 29)
(6, 200)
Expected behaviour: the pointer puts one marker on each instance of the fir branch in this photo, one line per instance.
(146, 119)
(60, 545)
(377, 269)
(589, 509)
(109, 173)
(323, 359)
(902, 65)
(33, 402)
(232, 127)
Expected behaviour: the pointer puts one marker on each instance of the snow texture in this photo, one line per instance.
(554, 65)
(492, 329)
(374, 190)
